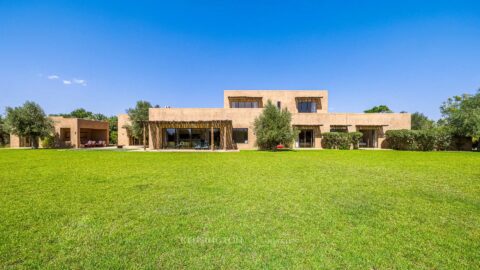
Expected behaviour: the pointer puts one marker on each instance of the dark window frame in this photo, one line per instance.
(240, 138)
(245, 104)
(307, 107)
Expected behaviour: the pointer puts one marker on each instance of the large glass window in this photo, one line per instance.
(306, 138)
(170, 138)
(244, 104)
(200, 138)
(188, 138)
(240, 135)
(307, 107)
(184, 138)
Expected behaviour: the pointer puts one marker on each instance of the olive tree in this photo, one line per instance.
(28, 120)
(139, 119)
(273, 127)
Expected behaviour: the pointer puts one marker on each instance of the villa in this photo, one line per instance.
(231, 127)
(72, 132)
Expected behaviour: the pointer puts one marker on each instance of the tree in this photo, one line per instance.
(379, 109)
(30, 121)
(462, 114)
(139, 119)
(273, 127)
(421, 122)
(4, 136)
(113, 127)
(99, 117)
(84, 114)
(80, 113)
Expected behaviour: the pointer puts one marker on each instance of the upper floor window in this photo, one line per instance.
(307, 107)
(244, 104)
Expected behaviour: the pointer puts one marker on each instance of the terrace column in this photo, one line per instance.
(76, 134)
(212, 144)
(107, 136)
(159, 134)
(317, 139)
(224, 135)
(150, 135)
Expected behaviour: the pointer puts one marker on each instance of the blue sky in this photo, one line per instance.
(409, 55)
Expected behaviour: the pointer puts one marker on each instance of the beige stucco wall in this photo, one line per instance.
(122, 132)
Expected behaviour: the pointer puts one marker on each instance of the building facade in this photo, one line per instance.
(231, 127)
(71, 132)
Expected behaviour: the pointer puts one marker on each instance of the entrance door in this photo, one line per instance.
(369, 138)
(306, 138)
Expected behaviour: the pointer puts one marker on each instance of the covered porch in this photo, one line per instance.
(191, 135)
(373, 135)
(90, 137)
(309, 136)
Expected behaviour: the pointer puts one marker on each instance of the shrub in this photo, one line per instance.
(48, 142)
(424, 140)
(440, 139)
(341, 140)
(113, 137)
(355, 138)
(402, 139)
(443, 139)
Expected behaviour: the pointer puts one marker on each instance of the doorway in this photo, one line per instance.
(369, 138)
(306, 138)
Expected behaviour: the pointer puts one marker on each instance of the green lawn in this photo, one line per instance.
(322, 209)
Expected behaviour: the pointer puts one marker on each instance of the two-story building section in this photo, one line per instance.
(231, 127)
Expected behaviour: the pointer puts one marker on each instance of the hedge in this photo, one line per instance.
(419, 140)
(341, 140)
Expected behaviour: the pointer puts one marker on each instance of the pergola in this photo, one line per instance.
(225, 126)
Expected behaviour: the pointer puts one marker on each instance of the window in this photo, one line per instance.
(279, 104)
(307, 107)
(170, 138)
(245, 104)
(240, 135)
(338, 129)
(191, 138)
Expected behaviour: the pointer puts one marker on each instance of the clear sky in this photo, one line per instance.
(105, 55)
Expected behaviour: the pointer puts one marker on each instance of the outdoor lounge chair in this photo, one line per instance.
(88, 144)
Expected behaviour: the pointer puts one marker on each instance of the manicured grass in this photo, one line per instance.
(322, 209)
